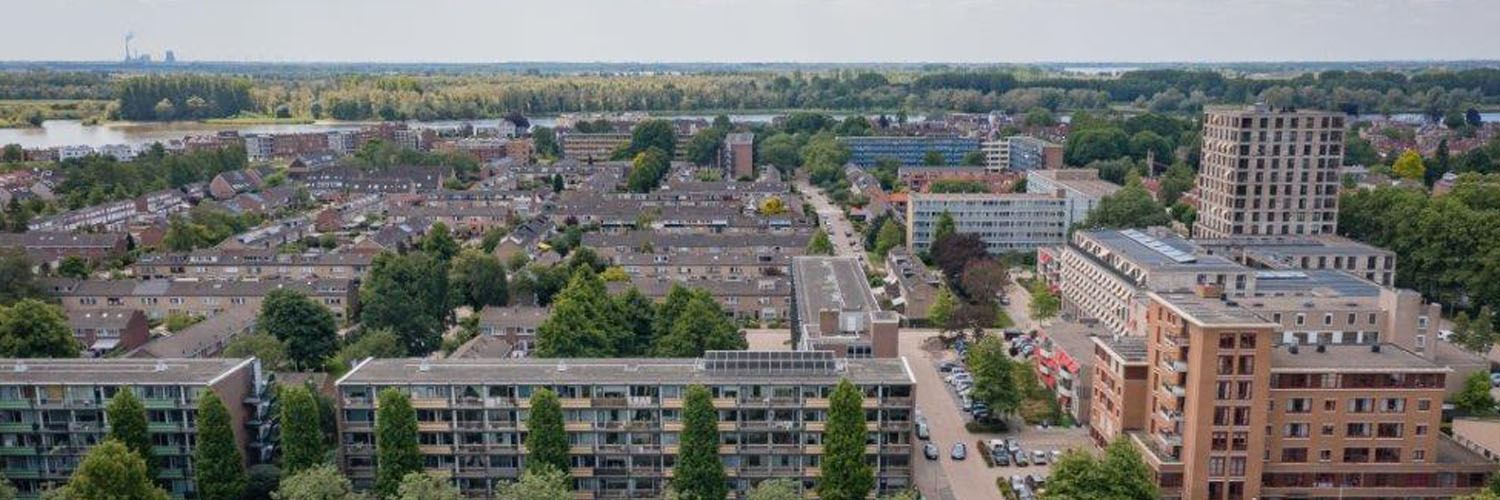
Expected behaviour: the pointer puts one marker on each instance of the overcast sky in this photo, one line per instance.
(754, 30)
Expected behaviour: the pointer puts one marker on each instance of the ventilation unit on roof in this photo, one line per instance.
(161, 366)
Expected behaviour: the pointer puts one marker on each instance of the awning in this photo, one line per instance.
(105, 344)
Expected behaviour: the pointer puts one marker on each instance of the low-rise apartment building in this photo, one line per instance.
(919, 179)
(204, 339)
(764, 299)
(1007, 222)
(737, 156)
(612, 245)
(52, 412)
(160, 298)
(833, 309)
(516, 325)
(692, 268)
(1025, 153)
(1081, 188)
(1119, 371)
(591, 147)
(100, 332)
(218, 265)
(624, 417)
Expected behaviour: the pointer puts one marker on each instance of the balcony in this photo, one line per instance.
(17, 450)
(430, 403)
(610, 402)
(17, 427)
(14, 404)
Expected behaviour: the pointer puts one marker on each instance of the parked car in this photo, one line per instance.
(1039, 457)
(947, 366)
(1011, 445)
(1495, 379)
(1056, 455)
(960, 451)
(1002, 459)
(1037, 480)
(1021, 459)
(1017, 482)
(922, 431)
(930, 450)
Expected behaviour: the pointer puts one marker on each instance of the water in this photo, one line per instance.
(55, 133)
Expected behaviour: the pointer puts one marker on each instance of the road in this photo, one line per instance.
(837, 225)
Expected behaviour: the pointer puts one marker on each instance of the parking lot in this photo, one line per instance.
(971, 478)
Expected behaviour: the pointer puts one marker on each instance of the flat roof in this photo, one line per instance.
(533, 371)
(116, 371)
(1211, 312)
(915, 197)
(1351, 358)
(1075, 338)
(1091, 187)
(836, 283)
(1317, 282)
(1136, 249)
(1129, 349)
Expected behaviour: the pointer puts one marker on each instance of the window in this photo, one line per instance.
(1325, 455)
(1419, 455)
(1327, 429)
(1421, 430)
(1388, 430)
(1393, 405)
(1219, 441)
(1296, 430)
(1330, 404)
(1294, 455)
(1356, 455)
(1424, 404)
(1361, 405)
(1299, 405)
(1357, 429)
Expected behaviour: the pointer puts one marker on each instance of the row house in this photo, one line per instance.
(161, 298)
(762, 299)
(48, 247)
(216, 265)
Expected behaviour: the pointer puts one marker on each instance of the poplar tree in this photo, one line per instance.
(699, 474)
(301, 430)
(127, 424)
(846, 476)
(220, 468)
(546, 440)
(396, 452)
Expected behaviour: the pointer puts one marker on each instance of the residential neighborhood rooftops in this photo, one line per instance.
(98, 371)
(1374, 358)
(535, 371)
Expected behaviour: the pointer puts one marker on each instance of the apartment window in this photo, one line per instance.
(1388, 430)
(1294, 455)
(1356, 455)
(1361, 405)
(1330, 404)
(1226, 341)
(1327, 320)
(1357, 429)
(1240, 441)
(1226, 365)
(1216, 466)
(1237, 466)
(1325, 455)
(1387, 455)
(1419, 455)
(1327, 429)
(1299, 405)
(1219, 441)
(1421, 430)
(1247, 365)
(1393, 405)
(1245, 388)
(1296, 430)
(1424, 404)
(1242, 415)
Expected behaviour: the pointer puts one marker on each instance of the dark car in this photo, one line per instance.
(1002, 458)
(930, 450)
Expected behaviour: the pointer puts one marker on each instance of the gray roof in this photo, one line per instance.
(1352, 358)
(483, 347)
(116, 371)
(129, 288)
(796, 240)
(1316, 282)
(102, 318)
(837, 283)
(533, 371)
(204, 338)
(1132, 248)
(60, 239)
(655, 287)
(1131, 349)
(1212, 312)
(215, 257)
(513, 316)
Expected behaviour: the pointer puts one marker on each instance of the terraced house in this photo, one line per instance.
(52, 412)
(623, 416)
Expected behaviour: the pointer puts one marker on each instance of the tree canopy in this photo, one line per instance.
(218, 463)
(846, 476)
(110, 472)
(546, 438)
(307, 327)
(396, 453)
(35, 329)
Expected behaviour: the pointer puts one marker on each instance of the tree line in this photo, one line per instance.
(182, 97)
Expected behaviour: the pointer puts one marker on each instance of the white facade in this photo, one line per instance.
(1007, 222)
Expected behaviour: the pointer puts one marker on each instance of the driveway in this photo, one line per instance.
(940, 405)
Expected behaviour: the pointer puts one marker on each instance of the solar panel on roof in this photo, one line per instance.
(1169, 251)
(769, 361)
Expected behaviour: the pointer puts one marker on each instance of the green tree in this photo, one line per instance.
(439, 242)
(261, 481)
(127, 425)
(478, 280)
(699, 474)
(932, 158)
(703, 148)
(557, 183)
(846, 476)
(546, 440)
(1178, 180)
(35, 329)
(16, 279)
(779, 150)
(409, 295)
(659, 134)
(1126, 473)
(270, 350)
(545, 140)
(74, 267)
(13, 153)
(941, 310)
(1409, 166)
(426, 486)
(396, 453)
(820, 244)
(302, 440)
(701, 326)
(647, 169)
(220, 468)
(307, 327)
(1044, 303)
(1095, 144)
(583, 321)
(975, 158)
(944, 226)
(1147, 143)
(1131, 207)
(637, 316)
(111, 472)
(776, 489)
(1474, 398)
(994, 379)
(824, 149)
(323, 482)
(891, 235)
(546, 483)
(1478, 334)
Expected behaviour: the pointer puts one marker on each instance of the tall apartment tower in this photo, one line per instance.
(1269, 172)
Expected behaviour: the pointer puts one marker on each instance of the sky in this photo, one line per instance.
(959, 31)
